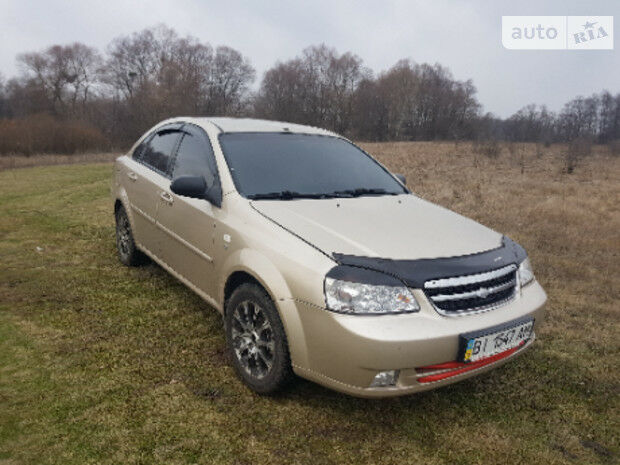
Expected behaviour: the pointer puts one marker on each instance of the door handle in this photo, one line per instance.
(166, 197)
(133, 176)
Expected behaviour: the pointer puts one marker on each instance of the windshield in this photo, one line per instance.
(287, 166)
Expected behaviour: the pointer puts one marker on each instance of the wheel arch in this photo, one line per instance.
(121, 199)
(236, 279)
(117, 205)
(251, 266)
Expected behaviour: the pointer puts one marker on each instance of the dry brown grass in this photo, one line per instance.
(8, 162)
(569, 223)
(43, 133)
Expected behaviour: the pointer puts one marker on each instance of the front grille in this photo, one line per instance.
(472, 293)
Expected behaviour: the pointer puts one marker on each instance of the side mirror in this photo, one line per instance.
(401, 178)
(196, 187)
(189, 186)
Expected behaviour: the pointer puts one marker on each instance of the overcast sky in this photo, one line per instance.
(462, 35)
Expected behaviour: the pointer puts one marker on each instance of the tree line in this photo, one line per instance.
(595, 118)
(78, 98)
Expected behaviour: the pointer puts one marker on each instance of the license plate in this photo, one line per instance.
(493, 341)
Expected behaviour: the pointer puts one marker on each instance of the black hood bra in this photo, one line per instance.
(414, 273)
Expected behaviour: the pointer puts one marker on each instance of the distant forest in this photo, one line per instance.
(75, 98)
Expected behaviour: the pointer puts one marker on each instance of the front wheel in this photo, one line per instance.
(128, 253)
(256, 340)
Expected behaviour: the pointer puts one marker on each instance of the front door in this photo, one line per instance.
(188, 223)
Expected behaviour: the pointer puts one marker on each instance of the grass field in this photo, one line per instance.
(100, 363)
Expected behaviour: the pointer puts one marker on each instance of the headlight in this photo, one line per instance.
(359, 291)
(526, 274)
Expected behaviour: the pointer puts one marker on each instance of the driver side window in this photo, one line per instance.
(195, 156)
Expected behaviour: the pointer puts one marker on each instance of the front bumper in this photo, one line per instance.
(345, 352)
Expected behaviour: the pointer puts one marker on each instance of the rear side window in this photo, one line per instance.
(158, 150)
(195, 156)
(137, 153)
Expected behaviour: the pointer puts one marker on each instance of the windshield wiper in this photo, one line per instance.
(361, 191)
(291, 195)
(287, 195)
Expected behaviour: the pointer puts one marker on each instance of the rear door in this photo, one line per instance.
(147, 172)
(189, 223)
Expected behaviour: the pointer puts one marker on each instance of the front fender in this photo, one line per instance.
(267, 274)
(120, 195)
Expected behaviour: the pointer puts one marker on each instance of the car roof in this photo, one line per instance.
(227, 124)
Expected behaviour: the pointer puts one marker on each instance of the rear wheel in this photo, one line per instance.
(128, 253)
(256, 340)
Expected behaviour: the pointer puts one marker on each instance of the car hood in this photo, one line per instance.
(395, 227)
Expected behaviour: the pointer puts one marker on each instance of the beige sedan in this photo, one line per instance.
(322, 263)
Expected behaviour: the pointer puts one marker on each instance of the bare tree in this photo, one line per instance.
(154, 74)
(531, 123)
(64, 74)
(135, 61)
(579, 118)
(370, 113)
(398, 87)
(83, 73)
(332, 80)
(316, 88)
(282, 93)
(596, 118)
(609, 126)
(49, 71)
(180, 84)
(419, 102)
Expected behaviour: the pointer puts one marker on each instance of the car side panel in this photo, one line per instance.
(187, 240)
(140, 185)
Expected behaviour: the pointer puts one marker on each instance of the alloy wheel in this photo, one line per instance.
(252, 339)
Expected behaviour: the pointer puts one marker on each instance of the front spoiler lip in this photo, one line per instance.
(450, 369)
(412, 388)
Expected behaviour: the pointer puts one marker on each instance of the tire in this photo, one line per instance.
(128, 253)
(256, 341)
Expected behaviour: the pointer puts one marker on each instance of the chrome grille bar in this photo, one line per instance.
(473, 293)
(482, 292)
(470, 279)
